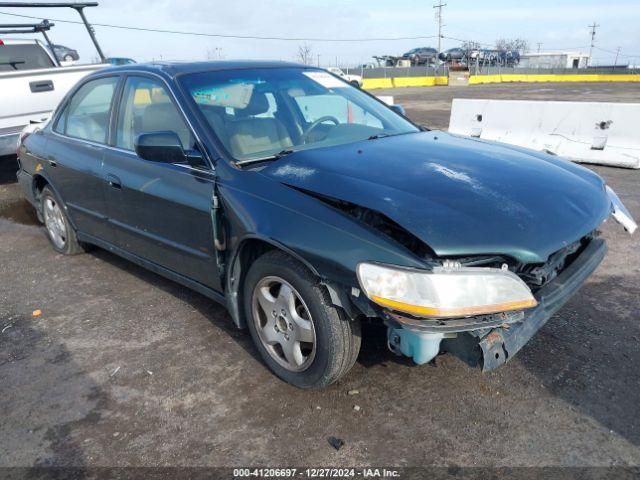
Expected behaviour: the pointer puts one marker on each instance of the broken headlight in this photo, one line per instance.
(445, 292)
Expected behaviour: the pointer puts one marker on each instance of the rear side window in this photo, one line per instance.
(23, 57)
(86, 116)
(146, 107)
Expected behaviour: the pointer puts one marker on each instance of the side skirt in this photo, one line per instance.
(154, 267)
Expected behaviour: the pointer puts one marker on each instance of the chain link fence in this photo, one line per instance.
(395, 72)
(473, 70)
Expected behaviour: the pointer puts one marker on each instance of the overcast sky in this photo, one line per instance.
(556, 24)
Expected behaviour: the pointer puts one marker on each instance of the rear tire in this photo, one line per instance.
(57, 226)
(327, 343)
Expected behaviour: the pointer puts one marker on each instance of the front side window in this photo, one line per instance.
(146, 107)
(258, 113)
(86, 116)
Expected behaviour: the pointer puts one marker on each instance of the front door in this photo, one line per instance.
(161, 212)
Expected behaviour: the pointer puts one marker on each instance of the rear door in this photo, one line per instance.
(162, 212)
(75, 155)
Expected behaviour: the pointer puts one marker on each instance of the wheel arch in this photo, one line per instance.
(248, 249)
(39, 182)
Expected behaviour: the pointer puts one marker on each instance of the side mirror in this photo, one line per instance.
(398, 109)
(164, 147)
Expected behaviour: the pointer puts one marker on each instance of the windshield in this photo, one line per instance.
(263, 113)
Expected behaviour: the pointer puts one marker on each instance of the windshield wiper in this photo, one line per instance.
(384, 135)
(379, 135)
(277, 156)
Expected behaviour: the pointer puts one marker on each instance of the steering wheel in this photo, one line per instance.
(315, 123)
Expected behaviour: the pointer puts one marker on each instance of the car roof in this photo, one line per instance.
(172, 69)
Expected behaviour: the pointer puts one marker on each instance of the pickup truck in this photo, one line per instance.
(32, 83)
(355, 80)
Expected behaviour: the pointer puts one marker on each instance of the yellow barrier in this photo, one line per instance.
(397, 82)
(587, 77)
(371, 83)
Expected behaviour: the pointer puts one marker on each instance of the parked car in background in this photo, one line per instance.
(306, 206)
(454, 55)
(32, 83)
(421, 56)
(66, 54)
(355, 80)
(120, 61)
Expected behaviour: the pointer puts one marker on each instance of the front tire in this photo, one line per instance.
(301, 336)
(59, 230)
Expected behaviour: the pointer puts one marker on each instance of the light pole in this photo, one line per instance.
(593, 38)
(439, 16)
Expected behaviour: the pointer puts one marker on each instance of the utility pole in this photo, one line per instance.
(593, 39)
(539, 45)
(439, 17)
(615, 63)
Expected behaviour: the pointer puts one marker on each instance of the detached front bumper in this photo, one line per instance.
(501, 344)
(491, 340)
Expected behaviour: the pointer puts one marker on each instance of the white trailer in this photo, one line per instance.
(554, 60)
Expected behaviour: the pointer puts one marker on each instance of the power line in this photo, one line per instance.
(617, 52)
(221, 35)
(312, 39)
(466, 40)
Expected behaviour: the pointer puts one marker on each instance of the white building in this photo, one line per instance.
(554, 60)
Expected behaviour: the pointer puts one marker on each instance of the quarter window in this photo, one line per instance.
(87, 114)
(146, 107)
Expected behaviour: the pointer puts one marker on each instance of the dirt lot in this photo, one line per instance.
(126, 368)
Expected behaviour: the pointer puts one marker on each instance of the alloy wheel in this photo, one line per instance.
(284, 323)
(54, 222)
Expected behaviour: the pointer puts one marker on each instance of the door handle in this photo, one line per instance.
(114, 182)
(52, 162)
(41, 86)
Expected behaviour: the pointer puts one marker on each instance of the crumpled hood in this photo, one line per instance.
(460, 196)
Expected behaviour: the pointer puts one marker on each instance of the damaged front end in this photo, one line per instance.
(491, 340)
(491, 337)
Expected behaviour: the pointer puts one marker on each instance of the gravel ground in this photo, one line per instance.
(125, 368)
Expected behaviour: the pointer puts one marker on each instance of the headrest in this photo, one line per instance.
(257, 104)
(160, 116)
